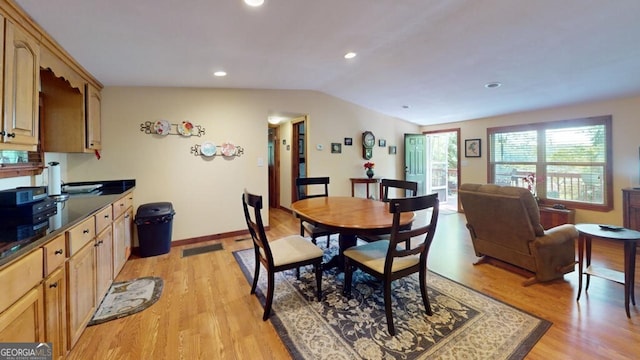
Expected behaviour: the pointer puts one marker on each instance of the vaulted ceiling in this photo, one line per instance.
(425, 61)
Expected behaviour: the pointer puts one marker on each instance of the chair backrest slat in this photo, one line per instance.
(303, 185)
(410, 186)
(421, 234)
(255, 225)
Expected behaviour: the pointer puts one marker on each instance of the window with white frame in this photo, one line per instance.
(565, 162)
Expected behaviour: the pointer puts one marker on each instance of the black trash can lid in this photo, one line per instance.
(153, 210)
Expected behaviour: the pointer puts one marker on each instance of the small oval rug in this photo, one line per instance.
(128, 297)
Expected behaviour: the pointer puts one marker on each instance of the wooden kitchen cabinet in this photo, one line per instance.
(24, 320)
(122, 232)
(21, 86)
(93, 117)
(21, 303)
(55, 307)
(81, 291)
(104, 262)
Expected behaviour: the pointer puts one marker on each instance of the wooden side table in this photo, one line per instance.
(365, 181)
(629, 238)
(550, 217)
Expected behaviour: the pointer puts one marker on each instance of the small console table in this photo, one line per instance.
(365, 181)
(629, 238)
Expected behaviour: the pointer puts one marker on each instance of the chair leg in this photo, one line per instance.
(387, 307)
(423, 290)
(256, 274)
(269, 300)
(318, 268)
(348, 270)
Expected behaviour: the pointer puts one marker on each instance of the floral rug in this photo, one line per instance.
(465, 324)
(128, 297)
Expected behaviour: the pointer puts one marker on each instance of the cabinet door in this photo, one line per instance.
(128, 232)
(24, 320)
(81, 292)
(119, 245)
(21, 86)
(55, 309)
(104, 262)
(93, 118)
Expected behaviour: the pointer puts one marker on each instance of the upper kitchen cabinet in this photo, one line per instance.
(21, 80)
(70, 108)
(93, 119)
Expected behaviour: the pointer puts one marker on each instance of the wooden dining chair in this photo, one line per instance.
(408, 186)
(304, 187)
(410, 189)
(387, 261)
(290, 252)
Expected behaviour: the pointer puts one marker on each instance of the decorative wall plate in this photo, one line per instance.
(162, 127)
(208, 148)
(228, 149)
(186, 128)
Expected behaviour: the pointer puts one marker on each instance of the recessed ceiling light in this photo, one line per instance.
(492, 85)
(405, 106)
(350, 55)
(254, 3)
(220, 73)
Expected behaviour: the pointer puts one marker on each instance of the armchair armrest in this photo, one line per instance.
(555, 252)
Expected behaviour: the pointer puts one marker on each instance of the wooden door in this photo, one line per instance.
(104, 262)
(93, 118)
(21, 86)
(55, 307)
(415, 160)
(24, 320)
(81, 291)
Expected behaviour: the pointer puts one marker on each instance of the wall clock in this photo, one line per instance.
(368, 141)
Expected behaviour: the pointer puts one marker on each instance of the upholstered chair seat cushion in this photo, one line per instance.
(373, 255)
(292, 249)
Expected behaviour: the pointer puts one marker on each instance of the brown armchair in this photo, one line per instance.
(504, 223)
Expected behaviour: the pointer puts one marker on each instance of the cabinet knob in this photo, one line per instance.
(54, 285)
(13, 135)
(85, 231)
(58, 252)
(106, 216)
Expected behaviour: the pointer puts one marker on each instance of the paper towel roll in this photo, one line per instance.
(55, 183)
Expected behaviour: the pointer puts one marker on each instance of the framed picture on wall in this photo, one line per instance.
(382, 142)
(392, 150)
(472, 148)
(348, 141)
(336, 148)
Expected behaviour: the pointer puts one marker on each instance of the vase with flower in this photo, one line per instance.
(369, 166)
(530, 181)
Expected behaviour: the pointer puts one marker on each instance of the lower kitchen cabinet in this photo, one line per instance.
(81, 291)
(55, 305)
(104, 262)
(24, 320)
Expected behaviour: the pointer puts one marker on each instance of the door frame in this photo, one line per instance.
(458, 170)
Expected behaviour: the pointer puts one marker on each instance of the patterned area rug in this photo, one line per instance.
(465, 323)
(128, 297)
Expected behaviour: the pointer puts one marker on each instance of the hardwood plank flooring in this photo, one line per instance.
(206, 311)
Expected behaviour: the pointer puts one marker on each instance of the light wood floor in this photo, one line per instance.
(206, 311)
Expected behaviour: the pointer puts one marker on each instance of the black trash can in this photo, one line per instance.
(154, 222)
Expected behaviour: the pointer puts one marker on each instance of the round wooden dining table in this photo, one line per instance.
(350, 217)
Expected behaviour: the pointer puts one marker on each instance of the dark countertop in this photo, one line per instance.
(70, 212)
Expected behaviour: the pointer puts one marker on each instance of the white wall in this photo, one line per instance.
(206, 192)
(626, 141)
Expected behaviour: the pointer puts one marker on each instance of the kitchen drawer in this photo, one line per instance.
(19, 277)
(122, 204)
(103, 219)
(80, 234)
(54, 254)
